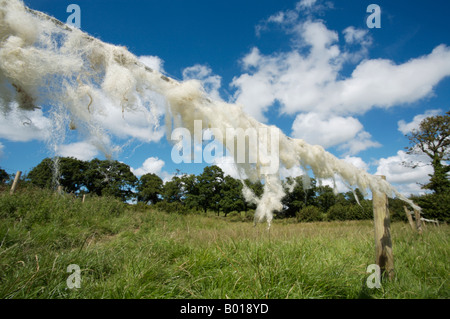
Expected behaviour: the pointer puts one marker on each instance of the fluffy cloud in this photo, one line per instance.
(312, 83)
(24, 126)
(406, 179)
(317, 129)
(357, 162)
(151, 165)
(361, 142)
(327, 131)
(2, 147)
(307, 81)
(84, 151)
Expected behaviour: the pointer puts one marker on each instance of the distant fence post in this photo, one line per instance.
(418, 221)
(15, 183)
(410, 220)
(383, 244)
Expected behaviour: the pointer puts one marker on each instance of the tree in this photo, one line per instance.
(42, 174)
(173, 190)
(191, 191)
(70, 173)
(149, 188)
(4, 176)
(209, 186)
(433, 139)
(231, 195)
(112, 178)
(325, 197)
(299, 197)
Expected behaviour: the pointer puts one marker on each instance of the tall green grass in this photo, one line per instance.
(129, 253)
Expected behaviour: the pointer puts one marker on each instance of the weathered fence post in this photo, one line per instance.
(16, 182)
(383, 244)
(418, 221)
(410, 220)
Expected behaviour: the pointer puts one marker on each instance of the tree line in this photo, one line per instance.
(212, 190)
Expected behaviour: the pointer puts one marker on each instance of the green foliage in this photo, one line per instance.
(325, 197)
(4, 176)
(146, 254)
(191, 191)
(300, 196)
(100, 177)
(338, 212)
(173, 190)
(231, 195)
(434, 206)
(110, 178)
(34, 205)
(360, 212)
(42, 174)
(171, 207)
(149, 188)
(433, 139)
(209, 187)
(310, 214)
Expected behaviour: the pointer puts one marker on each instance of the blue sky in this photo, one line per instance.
(313, 68)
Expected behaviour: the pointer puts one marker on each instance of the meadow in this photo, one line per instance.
(127, 252)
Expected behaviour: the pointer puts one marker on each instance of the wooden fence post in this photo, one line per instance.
(410, 220)
(15, 183)
(383, 244)
(418, 221)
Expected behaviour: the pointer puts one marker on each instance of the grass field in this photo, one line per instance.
(129, 253)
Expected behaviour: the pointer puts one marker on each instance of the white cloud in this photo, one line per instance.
(328, 131)
(405, 178)
(357, 162)
(406, 128)
(317, 129)
(361, 142)
(353, 35)
(24, 126)
(307, 81)
(2, 147)
(292, 172)
(141, 123)
(151, 165)
(306, 3)
(84, 151)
